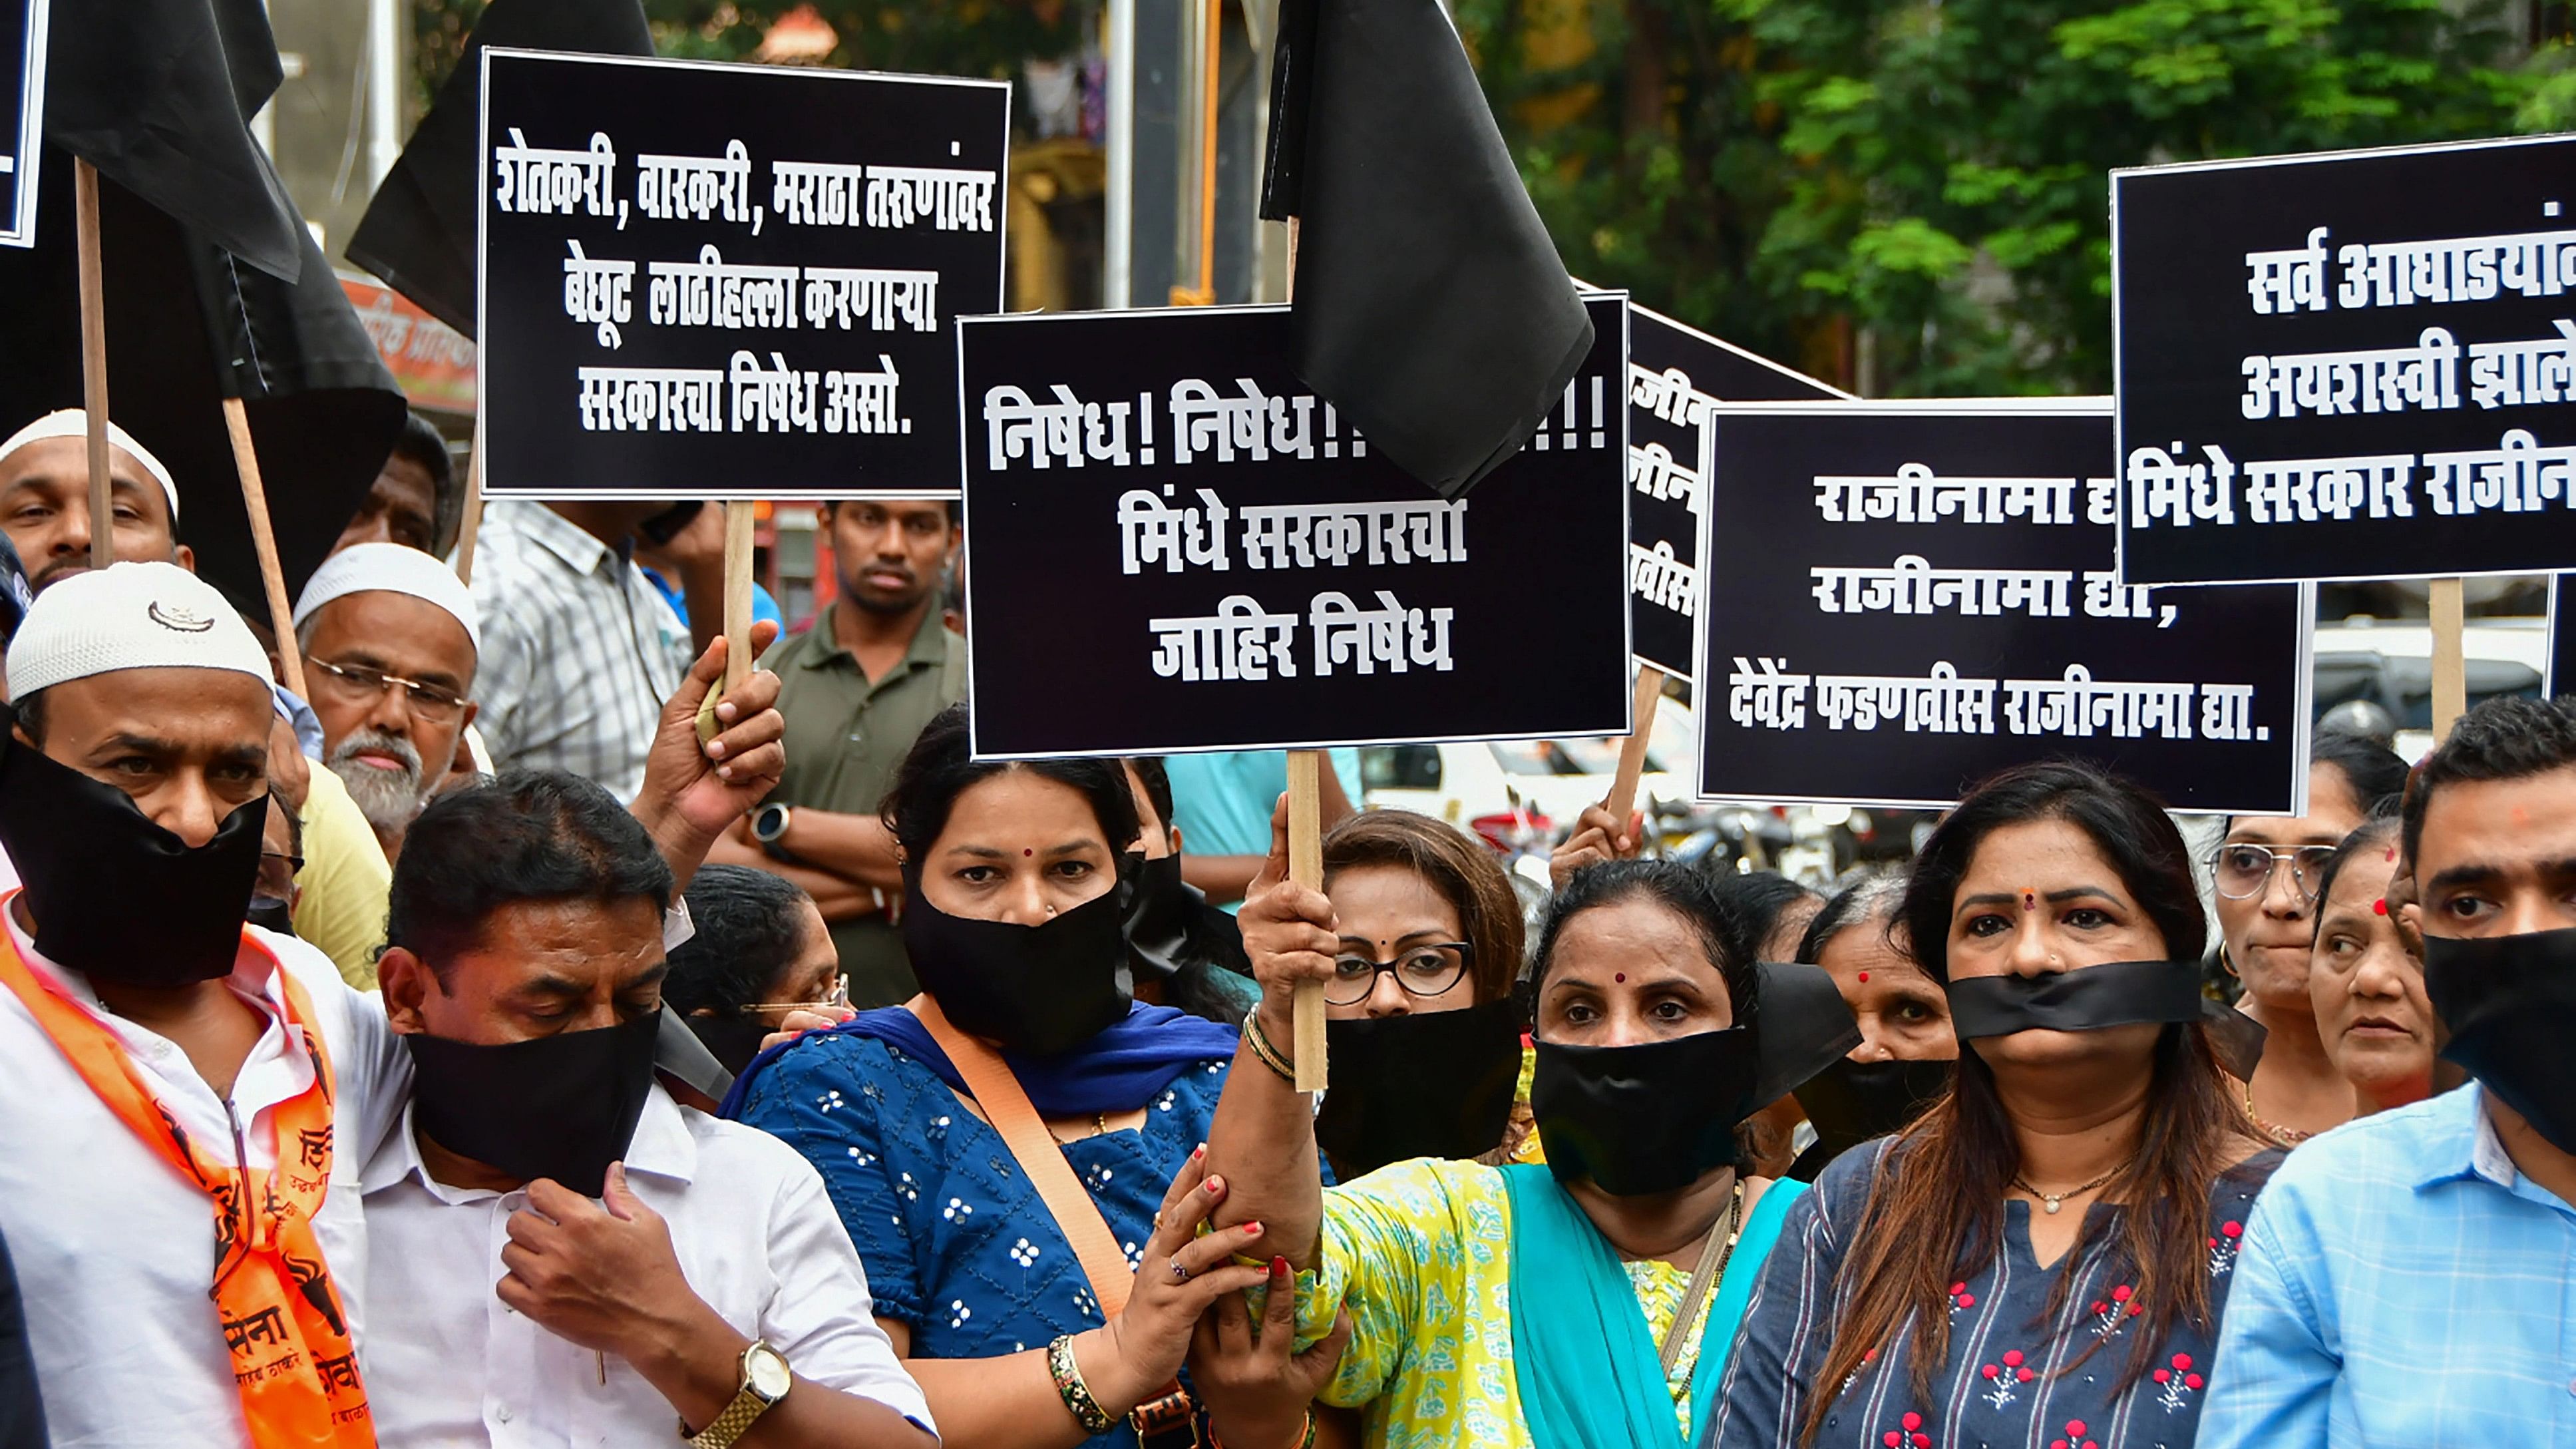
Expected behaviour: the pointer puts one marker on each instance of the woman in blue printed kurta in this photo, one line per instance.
(1935, 1291)
(1012, 916)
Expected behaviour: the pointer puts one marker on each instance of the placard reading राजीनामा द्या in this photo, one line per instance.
(2348, 366)
(22, 116)
(1905, 598)
(1674, 374)
(1172, 545)
(730, 281)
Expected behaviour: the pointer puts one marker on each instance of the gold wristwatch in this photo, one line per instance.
(765, 1380)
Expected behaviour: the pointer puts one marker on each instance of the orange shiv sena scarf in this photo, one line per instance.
(292, 1360)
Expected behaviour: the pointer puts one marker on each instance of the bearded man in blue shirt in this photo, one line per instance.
(2411, 1278)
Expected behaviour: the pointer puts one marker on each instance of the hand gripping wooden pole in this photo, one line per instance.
(93, 336)
(263, 541)
(1622, 801)
(738, 520)
(1306, 868)
(2450, 666)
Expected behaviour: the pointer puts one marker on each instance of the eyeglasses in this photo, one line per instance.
(836, 998)
(1419, 970)
(2243, 871)
(357, 683)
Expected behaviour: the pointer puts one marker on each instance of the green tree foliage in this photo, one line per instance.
(1914, 195)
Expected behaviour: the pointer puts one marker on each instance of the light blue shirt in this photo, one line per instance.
(2401, 1284)
(1222, 801)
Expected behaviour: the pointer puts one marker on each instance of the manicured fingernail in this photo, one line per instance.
(1278, 1267)
(1198, 1152)
(1215, 1186)
(1252, 1230)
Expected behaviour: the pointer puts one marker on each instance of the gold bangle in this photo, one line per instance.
(1076, 1394)
(1270, 1055)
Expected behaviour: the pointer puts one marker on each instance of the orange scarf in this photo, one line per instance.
(293, 1364)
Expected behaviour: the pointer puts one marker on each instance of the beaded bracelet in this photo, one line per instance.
(1270, 1055)
(1076, 1394)
(1306, 1441)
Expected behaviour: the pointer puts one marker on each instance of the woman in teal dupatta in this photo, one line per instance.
(1585, 1304)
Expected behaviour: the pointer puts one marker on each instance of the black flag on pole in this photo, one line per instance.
(1430, 305)
(157, 94)
(418, 233)
(187, 327)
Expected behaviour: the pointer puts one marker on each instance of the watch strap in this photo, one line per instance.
(733, 1423)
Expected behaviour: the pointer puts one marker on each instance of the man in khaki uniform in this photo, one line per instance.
(856, 689)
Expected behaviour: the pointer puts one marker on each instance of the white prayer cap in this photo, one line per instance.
(74, 423)
(390, 568)
(129, 616)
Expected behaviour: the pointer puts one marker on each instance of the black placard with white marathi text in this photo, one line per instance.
(1674, 373)
(2351, 365)
(1905, 598)
(22, 116)
(730, 281)
(1173, 545)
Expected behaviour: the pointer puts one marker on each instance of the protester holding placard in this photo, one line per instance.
(2266, 874)
(1000, 1146)
(2365, 978)
(1935, 1278)
(1482, 1296)
(1907, 1051)
(2405, 1279)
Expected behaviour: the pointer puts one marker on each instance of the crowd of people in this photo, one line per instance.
(357, 1041)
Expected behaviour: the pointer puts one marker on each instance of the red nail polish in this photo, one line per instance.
(1278, 1267)
(1215, 1185)
(1252, 1230)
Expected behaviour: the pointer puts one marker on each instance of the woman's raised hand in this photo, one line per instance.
(1287, 931)
(1597, 838)
(1259, 1389)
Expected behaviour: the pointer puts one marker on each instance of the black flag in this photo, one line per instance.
(1430, 306)
(418, 233)
(156, 95)
(187, 327)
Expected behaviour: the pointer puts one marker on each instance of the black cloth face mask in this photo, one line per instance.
(1432, 1084)
(271, 914)
(1647, 1118)
(1851, 1102)
(177, 911)
(734, 1040)
(2506, 1001)
(561, 1107)
(1160, 912)
(2088, 998)
(1038, 990)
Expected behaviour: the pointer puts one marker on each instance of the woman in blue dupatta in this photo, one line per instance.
(1016, 887)
(1587, 1303)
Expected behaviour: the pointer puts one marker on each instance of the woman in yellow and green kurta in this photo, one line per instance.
(1588, 1302)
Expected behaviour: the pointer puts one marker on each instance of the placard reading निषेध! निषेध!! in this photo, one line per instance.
(730, 281)
(1172, 544)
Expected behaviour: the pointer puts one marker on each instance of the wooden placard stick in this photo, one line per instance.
(263, 542)
(2450, 665)
(1622, 800)
(93, 325)
(470, 521)
(1306, 868)
(738, 520)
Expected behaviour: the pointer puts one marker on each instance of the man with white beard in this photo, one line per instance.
(391, 642)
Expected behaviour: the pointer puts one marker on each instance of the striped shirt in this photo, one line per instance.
(2029, 1366)
(2402, 1283)
(579, 651)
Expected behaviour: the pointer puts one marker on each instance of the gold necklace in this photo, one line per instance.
(2052, 1201)
(1099, 1128)
(2286, 1136)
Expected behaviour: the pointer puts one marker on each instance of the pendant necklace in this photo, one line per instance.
(2051, 1202)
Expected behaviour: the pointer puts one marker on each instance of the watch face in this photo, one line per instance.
(767, 1372)
(770, 823)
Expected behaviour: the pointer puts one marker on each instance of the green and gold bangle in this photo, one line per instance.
(1076, 1394)
(1268, 1054)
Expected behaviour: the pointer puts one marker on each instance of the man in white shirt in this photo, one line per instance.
(711, 1289)
(164, 1056)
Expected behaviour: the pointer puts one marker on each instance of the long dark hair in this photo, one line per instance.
(1943, 1180)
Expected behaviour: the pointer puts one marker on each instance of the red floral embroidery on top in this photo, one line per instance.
(2074, 1438)
(1909, 1437)
(2109, 1315)
(2179, 1382)
(2003, 1375)
(2225, 1246)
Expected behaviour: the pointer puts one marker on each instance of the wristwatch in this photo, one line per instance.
(765, 1380)
(768, 824)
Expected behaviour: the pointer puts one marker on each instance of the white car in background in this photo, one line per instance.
(1555, 778)
(2389, 662)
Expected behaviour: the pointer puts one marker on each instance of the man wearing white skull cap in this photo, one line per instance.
(391, 640)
